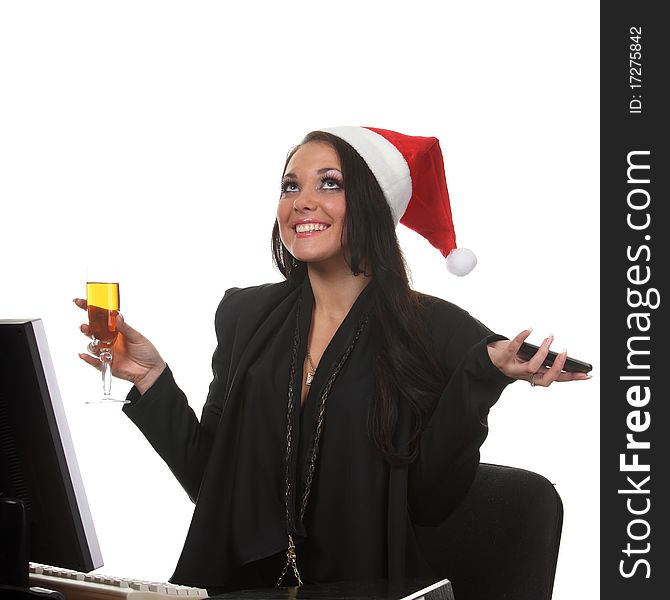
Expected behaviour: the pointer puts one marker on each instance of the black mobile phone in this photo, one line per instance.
(572, 365)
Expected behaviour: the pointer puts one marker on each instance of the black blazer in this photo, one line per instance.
(231, 461)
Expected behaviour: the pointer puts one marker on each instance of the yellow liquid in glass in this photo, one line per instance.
(103, 295)
(103, 307)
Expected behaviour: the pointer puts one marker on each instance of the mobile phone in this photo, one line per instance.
(572, 365)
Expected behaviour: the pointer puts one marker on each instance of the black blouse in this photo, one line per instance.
(358, 522)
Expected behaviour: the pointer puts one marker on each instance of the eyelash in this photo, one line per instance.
(324, 179)
(285, 184)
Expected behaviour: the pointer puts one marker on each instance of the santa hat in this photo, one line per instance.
(410, 171)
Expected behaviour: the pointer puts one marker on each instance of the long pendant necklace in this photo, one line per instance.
(291, 556)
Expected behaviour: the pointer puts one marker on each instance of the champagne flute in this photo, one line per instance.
(102, 298)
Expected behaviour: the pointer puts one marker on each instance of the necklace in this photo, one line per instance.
(311, 370)
(291, 555)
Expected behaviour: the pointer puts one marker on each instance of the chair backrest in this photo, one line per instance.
(502, 541)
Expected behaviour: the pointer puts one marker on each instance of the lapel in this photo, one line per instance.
(257, 321)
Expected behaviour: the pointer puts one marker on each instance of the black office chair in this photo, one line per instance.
(502, 542)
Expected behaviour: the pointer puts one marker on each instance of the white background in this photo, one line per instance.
(154, 133)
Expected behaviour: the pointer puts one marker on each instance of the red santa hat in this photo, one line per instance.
(410, 171)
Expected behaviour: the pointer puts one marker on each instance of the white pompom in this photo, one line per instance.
(461, 261)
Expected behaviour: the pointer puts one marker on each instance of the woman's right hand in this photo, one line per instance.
(135, 357)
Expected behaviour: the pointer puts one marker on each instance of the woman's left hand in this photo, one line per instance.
(503, 355)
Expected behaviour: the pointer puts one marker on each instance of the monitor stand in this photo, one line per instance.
(14, 554)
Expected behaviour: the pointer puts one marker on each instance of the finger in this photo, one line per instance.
(574, 377)
(552, 373)
(121, 324)
(85, 329)
(81, 303)
(537, 360)
(516, 343)
(90, 360)
(126, 330)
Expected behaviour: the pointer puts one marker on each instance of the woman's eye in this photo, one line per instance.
(288, 186)
(326, 183)
(330, 184)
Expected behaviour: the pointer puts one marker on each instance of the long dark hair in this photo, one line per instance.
(407, 375)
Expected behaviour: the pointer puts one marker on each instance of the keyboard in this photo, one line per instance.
(75, 585)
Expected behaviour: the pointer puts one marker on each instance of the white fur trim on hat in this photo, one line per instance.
(386, 162)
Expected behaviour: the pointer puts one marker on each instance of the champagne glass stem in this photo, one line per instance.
(106, 370)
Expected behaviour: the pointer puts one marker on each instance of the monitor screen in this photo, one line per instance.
(37, 460)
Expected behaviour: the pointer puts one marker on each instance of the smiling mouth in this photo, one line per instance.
(310, 227)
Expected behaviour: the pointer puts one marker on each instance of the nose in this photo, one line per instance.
(305, 201)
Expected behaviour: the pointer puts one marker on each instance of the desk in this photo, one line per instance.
(419, 589)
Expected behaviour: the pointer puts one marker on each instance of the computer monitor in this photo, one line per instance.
(37, 460)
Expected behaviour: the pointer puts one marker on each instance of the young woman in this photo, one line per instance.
(345, 408)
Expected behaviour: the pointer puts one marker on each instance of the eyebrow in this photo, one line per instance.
(319, 171)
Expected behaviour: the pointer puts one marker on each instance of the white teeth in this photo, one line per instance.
(306, 227)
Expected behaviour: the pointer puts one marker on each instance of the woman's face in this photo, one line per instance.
(312, 205)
